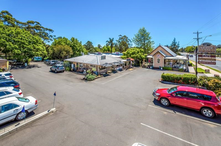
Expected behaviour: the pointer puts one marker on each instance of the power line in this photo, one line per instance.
(210, 21)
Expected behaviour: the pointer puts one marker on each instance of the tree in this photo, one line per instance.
(99, 46)
(77, 47)
(89, 47)
(143, 40)
(123, 43)
(20, 44)
(62, 51)
(190, 49)
(110, 43)
(34, 27)
(136, 53)
(174, 46)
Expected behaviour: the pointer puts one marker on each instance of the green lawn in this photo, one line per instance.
(211, 68)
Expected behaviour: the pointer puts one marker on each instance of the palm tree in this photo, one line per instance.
(110, 43)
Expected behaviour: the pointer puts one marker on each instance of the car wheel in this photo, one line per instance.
(208, 112)
(21, 116)
(55, 71)
(164, 102)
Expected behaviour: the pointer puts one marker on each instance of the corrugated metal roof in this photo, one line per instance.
(94, 59)
(170, 51)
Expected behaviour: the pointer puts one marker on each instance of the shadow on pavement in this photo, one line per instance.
(188, 112)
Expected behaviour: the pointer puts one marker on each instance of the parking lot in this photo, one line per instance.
(116, 110)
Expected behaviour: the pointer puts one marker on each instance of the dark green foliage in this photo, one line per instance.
(182, 79)
(167, 68)
(90, 77)
(211, 83)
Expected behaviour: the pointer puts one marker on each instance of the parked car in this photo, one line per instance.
(198, 99)
(138, 144)
(2, 78)
(37, 58)
(52, 62)
(59, 63)
(191, 55)
(57, 68)
(7, 75)
(9, 83)
(46, 61)
(6, 92)
(11, 108)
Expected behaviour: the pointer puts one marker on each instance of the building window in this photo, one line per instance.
(158, 60)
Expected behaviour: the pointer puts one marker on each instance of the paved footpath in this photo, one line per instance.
(212, 72)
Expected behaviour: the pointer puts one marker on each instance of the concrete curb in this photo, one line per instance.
(19, 124)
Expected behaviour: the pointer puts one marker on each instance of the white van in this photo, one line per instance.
(11, 108)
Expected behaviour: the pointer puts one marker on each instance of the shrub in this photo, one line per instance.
(181, 69)
(90, 77)
(67, 68)
(1, 70)
(190, 64)
(167, 68)
(211, 83)
(184, 79)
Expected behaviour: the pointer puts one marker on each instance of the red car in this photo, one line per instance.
(198, 99)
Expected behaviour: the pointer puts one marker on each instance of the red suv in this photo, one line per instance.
(198, 99)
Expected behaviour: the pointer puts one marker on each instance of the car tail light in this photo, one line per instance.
(20, 93)
(16, 86)
(36, 102)
(11, 76)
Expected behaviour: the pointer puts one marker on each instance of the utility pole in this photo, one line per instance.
(197, 50)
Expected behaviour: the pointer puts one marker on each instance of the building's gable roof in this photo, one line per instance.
(166, 49)
(161, 52)
(169, 51)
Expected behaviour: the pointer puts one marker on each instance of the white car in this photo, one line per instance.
(12, 108)
(7, 75)
(10, 92)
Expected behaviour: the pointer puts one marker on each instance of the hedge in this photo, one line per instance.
(167, 68)
(211, 83)
(90, 77)
(182, 79)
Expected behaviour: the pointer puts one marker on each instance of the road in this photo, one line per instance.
(217, 66)
(117, 110)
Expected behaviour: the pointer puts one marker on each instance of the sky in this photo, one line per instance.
(98, 20)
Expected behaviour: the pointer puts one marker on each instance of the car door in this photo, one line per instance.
(194, 100)
(8, 94)
(2, 94)
(8, 112)
(179, 98)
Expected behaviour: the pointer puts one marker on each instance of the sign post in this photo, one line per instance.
(54, 99)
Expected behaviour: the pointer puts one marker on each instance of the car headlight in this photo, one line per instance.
(157, 94)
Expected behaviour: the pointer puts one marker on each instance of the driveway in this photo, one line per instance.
(115, 110)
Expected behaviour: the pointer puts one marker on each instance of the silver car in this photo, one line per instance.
(12, 108)
(57, 68)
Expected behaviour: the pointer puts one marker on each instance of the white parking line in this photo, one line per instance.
(177, 113)
(117, 77)
(169, 134)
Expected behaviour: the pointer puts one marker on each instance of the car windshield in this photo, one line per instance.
(172, 90)
(218, 98)
(22, 99)
(8, 74)
(16, 89)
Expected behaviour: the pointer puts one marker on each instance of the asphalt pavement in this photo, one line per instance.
(116, 110)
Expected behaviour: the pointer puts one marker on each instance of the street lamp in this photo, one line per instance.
(206, 37)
